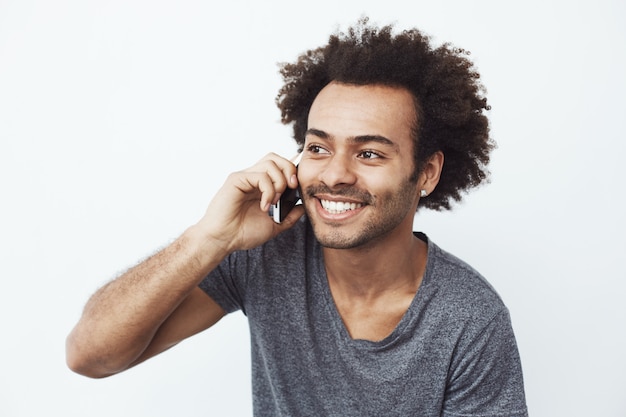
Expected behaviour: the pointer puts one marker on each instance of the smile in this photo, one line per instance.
(336, 207)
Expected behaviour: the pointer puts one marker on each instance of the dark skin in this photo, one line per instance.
(447, 91)
(373, 261)
(157, 304)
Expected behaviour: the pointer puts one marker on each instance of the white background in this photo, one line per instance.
(120, 119)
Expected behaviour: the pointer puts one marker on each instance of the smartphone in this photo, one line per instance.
(288, 200)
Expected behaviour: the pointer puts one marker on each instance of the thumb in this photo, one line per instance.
(294, 215)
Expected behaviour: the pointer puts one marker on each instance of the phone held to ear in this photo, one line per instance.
(288, 200)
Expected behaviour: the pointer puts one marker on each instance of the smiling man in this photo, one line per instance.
(351, 312)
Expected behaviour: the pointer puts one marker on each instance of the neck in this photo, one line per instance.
(395, 264)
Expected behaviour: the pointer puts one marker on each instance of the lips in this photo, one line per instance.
(338, 207)
(339, 204)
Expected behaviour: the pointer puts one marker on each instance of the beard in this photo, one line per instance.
(384, 213)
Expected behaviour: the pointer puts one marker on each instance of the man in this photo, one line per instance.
(351, 313)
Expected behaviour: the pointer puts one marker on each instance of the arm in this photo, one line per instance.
(156, 304)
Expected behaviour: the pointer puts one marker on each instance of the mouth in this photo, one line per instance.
(339, 207)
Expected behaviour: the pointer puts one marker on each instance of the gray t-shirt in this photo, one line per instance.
(452, 354)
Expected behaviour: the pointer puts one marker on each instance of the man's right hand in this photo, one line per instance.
(237, 217)
(158, 303)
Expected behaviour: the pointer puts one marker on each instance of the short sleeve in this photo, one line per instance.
(224, 285)
(486, 376)
(241, 280)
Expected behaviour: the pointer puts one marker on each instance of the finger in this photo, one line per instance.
(278, 179)
(291, 219)
(253, 186)
(266, 186)
(287, 167)
(290, 170)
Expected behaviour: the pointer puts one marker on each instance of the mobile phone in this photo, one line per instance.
(288, 200)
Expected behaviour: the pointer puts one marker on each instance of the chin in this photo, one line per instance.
(331, 237)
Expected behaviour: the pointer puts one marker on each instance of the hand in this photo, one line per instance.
(237, 217)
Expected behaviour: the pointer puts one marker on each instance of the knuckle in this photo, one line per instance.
(271, 155)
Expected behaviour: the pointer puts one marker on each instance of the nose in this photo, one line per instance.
(338, 171)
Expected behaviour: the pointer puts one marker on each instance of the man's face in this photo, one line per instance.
(357, 163)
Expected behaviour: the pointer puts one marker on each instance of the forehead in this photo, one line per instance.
(345, 110)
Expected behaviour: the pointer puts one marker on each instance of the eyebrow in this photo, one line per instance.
(360, 139)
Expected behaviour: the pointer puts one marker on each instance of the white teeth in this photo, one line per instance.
(336, 207)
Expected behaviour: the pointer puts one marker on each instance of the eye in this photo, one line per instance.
(316, 149)
(369, 155)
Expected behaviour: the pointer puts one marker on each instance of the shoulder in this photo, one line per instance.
(249, 275)
(458, 287)
(281, 256)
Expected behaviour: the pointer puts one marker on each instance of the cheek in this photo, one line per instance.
(305, 174)
(379, 184)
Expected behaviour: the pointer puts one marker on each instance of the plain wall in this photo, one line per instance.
(120, 119)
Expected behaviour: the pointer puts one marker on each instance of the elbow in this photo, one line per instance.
(83, 362)
(81, 367)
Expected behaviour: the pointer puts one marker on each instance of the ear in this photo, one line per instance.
(429, 177)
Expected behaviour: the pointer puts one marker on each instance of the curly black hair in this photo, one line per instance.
(449, 98)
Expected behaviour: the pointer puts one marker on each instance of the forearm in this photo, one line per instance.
(153, 306)
(121, 319)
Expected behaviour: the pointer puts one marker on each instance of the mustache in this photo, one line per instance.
(349, 192)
